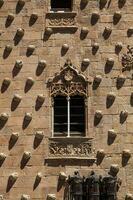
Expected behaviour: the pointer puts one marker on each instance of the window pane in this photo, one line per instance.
(77, 115)
(61, 4)
(60, 114)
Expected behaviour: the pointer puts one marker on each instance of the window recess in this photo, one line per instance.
(60, 115)
(60, 5)
(69, 115)
(77, 114)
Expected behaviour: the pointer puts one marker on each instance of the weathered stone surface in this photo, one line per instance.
(35, 43)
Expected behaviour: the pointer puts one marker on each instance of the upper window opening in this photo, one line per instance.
(61, 4)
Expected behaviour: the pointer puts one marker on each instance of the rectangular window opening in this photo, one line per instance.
(60, 115)
(77, 115)
(58, 5)
(69, 116)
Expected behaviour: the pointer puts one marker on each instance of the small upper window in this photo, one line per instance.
(61, 5)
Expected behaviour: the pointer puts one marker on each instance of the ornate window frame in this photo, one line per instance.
(60, 20)
(127, 60)
(69, 82)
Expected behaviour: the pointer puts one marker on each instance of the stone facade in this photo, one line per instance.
(97, 36)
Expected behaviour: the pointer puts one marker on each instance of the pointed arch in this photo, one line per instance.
(69, 81)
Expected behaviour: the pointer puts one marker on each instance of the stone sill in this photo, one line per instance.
(68, 14)
(71, 139)
(56, 28)
(71, 158)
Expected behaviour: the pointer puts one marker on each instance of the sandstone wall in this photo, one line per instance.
(105, 60)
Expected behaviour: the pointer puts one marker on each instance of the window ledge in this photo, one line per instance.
(57, 20)
(71, 139)
(71, 158)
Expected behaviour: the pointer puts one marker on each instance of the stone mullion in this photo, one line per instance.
(52, 114)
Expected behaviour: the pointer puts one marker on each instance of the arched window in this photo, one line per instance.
(68, 91)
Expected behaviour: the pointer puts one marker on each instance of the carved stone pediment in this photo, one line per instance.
(69, 82)
(127, 59)
(61, 20)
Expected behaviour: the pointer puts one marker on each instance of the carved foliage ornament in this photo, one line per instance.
(61, 19)
(127, 59)
(69, 82)
(70, 150)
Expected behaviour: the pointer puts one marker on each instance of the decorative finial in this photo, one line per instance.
(68, 62)
(30, 81)
(62, 176)
(4, 116)
(98, 78)
(28, 116)
(48, 31)
(129, 196)
(25, 197)
(20, 32)
(112, 133)
(98, 114)
(6, 81)
(13, 177)
(15, 136)
(51, 197)
(100, 153)
(42, 63)
(114, 168)
(126, 153)
(2, 156)
(86, 61)
(39, 135)
(19, 64)
(17, 98)
(26, 155)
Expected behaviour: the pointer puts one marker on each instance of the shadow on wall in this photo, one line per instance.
(65, 162)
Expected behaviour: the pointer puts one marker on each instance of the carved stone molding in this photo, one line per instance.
(73, 89)
(69, 81)
(127, 59)
(70, 149)
(61, 20)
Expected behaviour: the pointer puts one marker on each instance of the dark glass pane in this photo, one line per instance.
(77, 114)
(60, 114)
(61, 4)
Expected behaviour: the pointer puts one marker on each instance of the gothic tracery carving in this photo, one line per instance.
(127, 59)
(69, 82)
